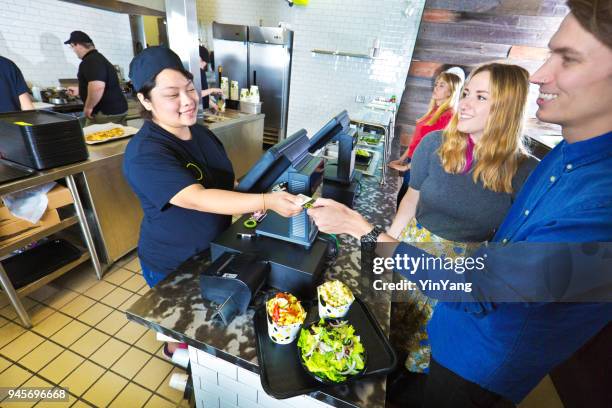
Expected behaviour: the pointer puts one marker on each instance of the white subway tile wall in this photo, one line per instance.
(32, 34)
(323, 85)
(218, 383)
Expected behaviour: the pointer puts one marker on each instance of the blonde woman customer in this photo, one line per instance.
(441, 108)
(463, 183)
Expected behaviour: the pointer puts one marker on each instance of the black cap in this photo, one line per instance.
(150, 62)
(204, 54)
(78, 37)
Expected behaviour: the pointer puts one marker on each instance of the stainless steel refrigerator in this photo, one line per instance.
(258, 56)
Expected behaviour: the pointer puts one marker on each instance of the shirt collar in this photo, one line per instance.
(163, 133)
(90, 52)
(587, 151)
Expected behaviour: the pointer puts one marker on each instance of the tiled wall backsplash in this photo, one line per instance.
(32, 34)
(323, 85)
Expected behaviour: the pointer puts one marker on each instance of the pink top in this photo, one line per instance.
(469, 155)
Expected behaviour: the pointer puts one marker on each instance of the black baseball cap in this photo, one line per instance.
(150, 62)
(78, 37)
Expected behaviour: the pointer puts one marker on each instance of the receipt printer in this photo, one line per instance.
(231, 281)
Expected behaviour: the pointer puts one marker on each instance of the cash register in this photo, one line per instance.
(295, 254)
(288, 164)
(340, 181)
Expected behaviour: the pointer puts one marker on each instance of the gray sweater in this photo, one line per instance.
(452, 206)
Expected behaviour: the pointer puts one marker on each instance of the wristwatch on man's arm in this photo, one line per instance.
(372, 236)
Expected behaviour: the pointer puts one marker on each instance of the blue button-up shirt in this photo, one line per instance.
(568, 198)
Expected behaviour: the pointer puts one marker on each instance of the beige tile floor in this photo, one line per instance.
(82, 341)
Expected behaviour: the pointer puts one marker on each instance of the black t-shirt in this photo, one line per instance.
(95, 67)
(12, 85)
(158, 165)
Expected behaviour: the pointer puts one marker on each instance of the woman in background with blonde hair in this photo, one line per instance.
(463, 182)
(441, 108)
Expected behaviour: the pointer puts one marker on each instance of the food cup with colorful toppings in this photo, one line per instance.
(285, 317)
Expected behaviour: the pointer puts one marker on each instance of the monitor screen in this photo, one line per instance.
(274, 162)
(326, 134)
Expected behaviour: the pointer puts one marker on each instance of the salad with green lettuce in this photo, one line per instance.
(331, 351)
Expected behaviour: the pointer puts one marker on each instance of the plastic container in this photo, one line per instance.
(250, 107)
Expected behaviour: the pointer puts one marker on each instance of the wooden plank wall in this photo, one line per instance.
(467, 33)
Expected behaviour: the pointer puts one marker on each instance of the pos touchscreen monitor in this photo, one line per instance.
(274, 162)
(329, 131)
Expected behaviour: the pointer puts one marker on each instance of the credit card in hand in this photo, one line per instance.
(306, 202)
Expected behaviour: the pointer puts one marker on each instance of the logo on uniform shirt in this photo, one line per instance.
(196, 171)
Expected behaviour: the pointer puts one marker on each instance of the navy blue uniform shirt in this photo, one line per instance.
(158, 165)
(95, 67)
(508, 347)
(12, 85)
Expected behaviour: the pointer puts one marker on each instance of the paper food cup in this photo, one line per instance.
(282, 334)
(327, 311)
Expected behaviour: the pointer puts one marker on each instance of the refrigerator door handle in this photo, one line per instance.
(254, 77)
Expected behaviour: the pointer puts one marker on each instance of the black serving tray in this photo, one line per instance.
(41, 139)
(31, 265)
(12, 171)
(281, 372)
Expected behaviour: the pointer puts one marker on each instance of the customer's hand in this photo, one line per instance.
(335, 218)
(398, 165)
(283, 203)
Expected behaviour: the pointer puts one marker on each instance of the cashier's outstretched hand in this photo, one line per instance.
(335, 218)
(283, 203)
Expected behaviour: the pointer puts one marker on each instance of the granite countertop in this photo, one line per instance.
(176, 308)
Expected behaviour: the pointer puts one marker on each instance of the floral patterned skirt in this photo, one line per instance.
(412, 311)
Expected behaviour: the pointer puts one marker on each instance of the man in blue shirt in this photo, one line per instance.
(488, 354)
(13, 89)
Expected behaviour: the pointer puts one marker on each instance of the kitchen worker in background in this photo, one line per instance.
(14, 94)
(442, 106)
(98, 83)
(487, 354)
(205, 58)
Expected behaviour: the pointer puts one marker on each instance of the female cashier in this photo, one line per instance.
(179, 170)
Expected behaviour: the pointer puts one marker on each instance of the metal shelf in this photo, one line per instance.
(342, 54)
(10, 248)
(31, 287)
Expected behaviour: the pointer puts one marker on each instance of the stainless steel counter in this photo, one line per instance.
(241, 135)
(112, 209)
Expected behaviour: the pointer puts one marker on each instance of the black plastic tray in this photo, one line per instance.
(13, 171)
(281, 373)
(39, 261)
